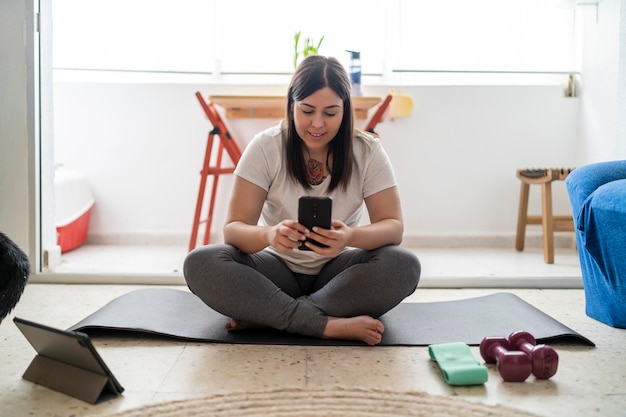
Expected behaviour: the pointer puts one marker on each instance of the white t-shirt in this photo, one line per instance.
(262, 163)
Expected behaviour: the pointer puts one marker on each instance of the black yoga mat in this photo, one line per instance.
(182, 315)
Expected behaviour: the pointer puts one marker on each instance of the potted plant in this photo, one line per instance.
(309, 48)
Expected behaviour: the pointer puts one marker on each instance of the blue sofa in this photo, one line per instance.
(597, 193)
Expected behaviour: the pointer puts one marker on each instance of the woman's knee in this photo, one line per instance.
(199, 262)
(403, 264)
(400, 264)
(193, 265)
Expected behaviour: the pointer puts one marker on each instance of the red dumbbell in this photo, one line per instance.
(545, 360)
(513, 366)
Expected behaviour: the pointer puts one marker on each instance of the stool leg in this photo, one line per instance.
(522, 217)
(547, 222)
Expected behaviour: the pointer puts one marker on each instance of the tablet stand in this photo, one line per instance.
(67, 379)
(67, 362)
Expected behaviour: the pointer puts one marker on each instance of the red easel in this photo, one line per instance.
(227, 142)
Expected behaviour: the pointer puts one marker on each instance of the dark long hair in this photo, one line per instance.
(314, 73)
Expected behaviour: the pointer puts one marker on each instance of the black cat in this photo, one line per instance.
(14, 273)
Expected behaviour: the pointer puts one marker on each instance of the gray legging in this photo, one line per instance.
(260, 288)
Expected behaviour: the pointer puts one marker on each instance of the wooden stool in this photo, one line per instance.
(550, 222)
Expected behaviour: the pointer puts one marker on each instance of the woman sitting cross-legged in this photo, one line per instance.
(259, 277)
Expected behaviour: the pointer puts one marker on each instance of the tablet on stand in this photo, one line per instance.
(67, 362)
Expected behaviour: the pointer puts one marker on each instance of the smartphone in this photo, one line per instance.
(314, 211)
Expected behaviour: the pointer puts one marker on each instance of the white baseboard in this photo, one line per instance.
(426, 282)
(138, 239)
(561, 240)
(533, 240)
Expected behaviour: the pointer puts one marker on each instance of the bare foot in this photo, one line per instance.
(233, 325)
(363, 328)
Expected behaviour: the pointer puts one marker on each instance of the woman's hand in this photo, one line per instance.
(336, 238)
(286, 235)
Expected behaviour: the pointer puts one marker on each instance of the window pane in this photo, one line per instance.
(156, 35)
(262, 38)
(485, 35)
(251, 36)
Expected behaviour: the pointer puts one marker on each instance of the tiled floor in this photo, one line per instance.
(589, 382)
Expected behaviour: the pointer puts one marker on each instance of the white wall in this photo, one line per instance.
(600, 88)
(17, 204)
(621, 85)
(141, 146)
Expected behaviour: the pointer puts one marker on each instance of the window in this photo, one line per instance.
(244, 36)
(485, 35)
(249, 36)
(133, 35)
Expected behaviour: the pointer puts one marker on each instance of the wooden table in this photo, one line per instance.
(273, 107)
